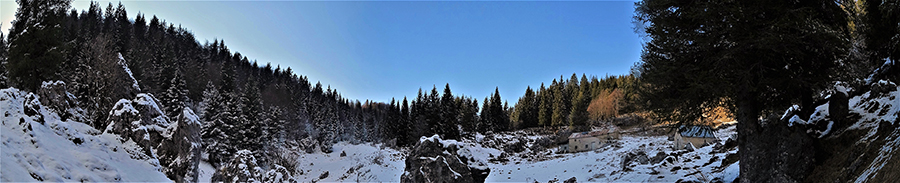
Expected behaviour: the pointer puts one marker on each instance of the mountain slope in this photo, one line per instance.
(37, 145)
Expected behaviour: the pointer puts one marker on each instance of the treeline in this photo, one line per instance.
(244, 105)
(574, 102)
(104, 56)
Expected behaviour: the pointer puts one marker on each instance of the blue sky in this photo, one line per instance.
(380, 50)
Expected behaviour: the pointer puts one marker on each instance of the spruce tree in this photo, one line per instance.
(250, 127)
(499, 118)
(483, 125)
(448, 114)
(36, 45)
(545, 108)
(403, 136)
(175, 96)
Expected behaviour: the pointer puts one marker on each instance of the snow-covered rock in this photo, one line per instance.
(42, 146)
(139, 120)
(242, 168)
(55, 96)
(434, 160)
(176, 144)
(180, 151)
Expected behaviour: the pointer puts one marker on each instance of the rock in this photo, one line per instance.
(343, 154)
(324, 175)
(242, 168)
(541, 144)
(431, 161)
(177, 144)
(179, 153)
(570, 180)
(660, 156)
(640, 157)
(55, 96)
(278, 174)
(838, 107)
(139, 120)
(515, 147)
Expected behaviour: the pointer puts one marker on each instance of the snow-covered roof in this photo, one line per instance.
(577, 135)
(697, 131)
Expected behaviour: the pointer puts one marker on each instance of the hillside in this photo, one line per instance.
(38, 145)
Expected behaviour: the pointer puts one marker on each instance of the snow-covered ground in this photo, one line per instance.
(42, 147)
(605, 164)
(362, 163)
(602, 165)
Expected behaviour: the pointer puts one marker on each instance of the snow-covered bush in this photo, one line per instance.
(242, 168)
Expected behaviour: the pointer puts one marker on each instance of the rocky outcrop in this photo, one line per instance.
(54, 95)
(176, 144)
(139, 120)
(180, 152)
(434, 160)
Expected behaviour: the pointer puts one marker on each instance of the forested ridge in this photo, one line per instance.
(752, 59)
(104, 56)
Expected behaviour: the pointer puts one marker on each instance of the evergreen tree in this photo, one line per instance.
(560, 104)
(579, 116)
(404, 130)
(760, 55)
(545, 110)
(3, 55)
(123, 31)
(499, 118)
(175, 96)
(36, 45)
(449, 111)
(527, 109)
(882, 25)
(484, 124)
(250, 130)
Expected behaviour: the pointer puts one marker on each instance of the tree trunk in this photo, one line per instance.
(771, 152)
(747, 128)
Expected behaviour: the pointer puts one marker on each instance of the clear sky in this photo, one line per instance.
(380, 50)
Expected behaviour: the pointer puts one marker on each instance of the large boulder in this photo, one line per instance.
(435, 160)
(176, 144)
(139, 120)
(180, 151)
(54, 95)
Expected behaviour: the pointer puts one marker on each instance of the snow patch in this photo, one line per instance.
(134, 83)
